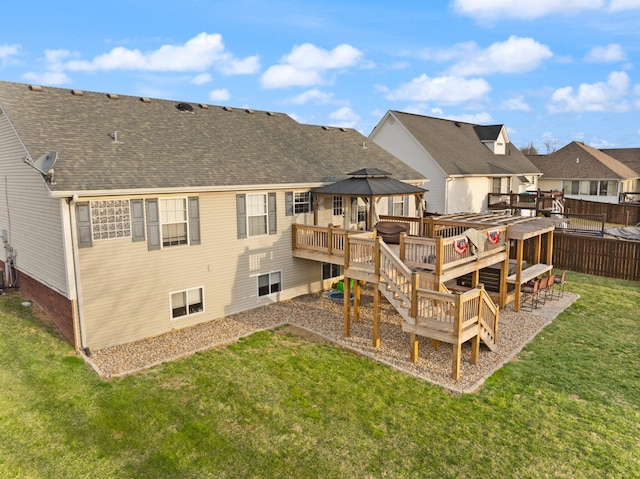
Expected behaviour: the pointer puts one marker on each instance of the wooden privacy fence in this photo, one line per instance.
(621, 214)
(610, 257)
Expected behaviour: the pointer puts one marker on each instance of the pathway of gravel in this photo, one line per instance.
(318, 315)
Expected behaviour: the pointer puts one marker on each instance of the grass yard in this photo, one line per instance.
(277, 405)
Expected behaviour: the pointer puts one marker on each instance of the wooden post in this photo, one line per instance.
(519, 254)
(346, 328)
(356, 302)
(550, 248)
(376, 316)
(457, 347)
(294, 237)
(413, 348)
(504, 272)
(439, 256)
(538, 249)
(330, 240)
(401, 246)
(475, 341)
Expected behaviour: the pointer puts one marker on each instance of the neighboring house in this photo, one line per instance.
(464, 162)
(586, 173)
(154, 215)
(631, 158)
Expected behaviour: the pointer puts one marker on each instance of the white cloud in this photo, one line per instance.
(607, 54)
(221, 94)
(515, 55)
(201, 79)
(307, 64)
(53, 73)
(621, 5)
(197, 54)
(482, 118)
(446, 89)
(315, 95)
(601, 96)
(7, 52)
(523, 9)
(344, 117)
(516, 104)
(47, 78)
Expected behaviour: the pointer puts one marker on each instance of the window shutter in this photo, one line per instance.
(137, 220)
(354, 209)
(273, 227)
(153, 224)
(405, 206)
(194, 220)
(83, 224)
(241, 205)
(390, 207)
(310, 202)
(288, 203)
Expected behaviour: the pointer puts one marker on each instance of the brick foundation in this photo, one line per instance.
(57, 308)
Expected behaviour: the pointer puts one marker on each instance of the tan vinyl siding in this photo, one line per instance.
(35, 228)
(126, 288)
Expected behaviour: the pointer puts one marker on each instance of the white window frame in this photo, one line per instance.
(187, 304)
(109, 221)
(168, 217)
(271, 275)
(253, 213)
(338, 206)
(399, 200)
(301, 202)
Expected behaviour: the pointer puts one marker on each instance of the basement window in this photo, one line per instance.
(187, 302)
(269, 283)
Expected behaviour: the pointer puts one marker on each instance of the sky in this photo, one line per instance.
(551, 71)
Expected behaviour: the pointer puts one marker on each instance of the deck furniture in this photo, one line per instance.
(548, 290)
(390, 231)
(559, 284)
(530, 292)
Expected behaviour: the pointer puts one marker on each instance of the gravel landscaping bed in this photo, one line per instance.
(321, 317)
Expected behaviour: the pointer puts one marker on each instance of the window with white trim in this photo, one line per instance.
(187, 302)
(269, 283)
(330, 270)
(338, 206)
(400, 205)
(174, 221)
(257, 218)
(301, 202)
(110, 219)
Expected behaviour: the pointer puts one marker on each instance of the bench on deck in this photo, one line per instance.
(530, 273)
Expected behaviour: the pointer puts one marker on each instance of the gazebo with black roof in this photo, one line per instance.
(369, 183)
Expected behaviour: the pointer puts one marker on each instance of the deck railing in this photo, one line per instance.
(533, 200)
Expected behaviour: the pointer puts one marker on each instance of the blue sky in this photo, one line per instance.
(552, 71)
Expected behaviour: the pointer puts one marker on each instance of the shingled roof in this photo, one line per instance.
(111, 142)
(628, 156)
(459, 149)
(580, 161)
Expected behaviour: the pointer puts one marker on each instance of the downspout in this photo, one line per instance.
(75, 277)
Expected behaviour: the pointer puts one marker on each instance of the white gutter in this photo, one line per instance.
(74, 277)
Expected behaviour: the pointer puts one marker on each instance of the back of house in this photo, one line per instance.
(127, 217)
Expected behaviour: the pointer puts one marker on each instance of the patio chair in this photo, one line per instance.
(559, 282)
(530, 292)
(544, 283)
(551, 282)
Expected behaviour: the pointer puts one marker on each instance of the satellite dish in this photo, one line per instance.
(44, 164)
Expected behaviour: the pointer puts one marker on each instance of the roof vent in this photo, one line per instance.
(77, 92)
(112, 96)
(270, 113)
(251, 112)
(144, 99)
(326, 128)
(35, 88)
(343, 129)
(184, 107)
(203, 106)
(227, 108)
(457, 123)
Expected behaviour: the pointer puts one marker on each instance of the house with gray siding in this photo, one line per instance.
(463, 161)
(126, 217)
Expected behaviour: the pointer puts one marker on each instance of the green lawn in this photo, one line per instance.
(275, 405)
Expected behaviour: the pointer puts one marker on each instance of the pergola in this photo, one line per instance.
(369, 183)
